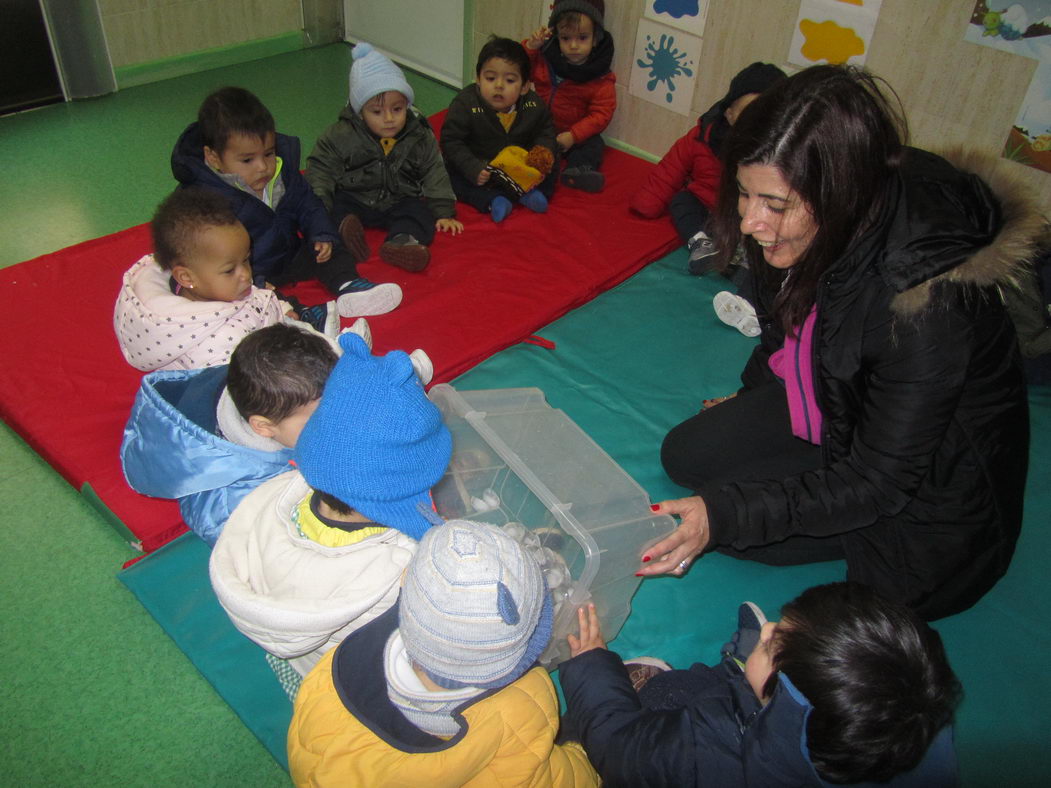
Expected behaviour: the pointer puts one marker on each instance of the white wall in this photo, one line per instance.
(425, 35)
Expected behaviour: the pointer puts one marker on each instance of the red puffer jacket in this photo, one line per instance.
(582, 108)
(690, 164)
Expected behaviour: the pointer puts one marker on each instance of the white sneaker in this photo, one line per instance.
(421, 362)
(736, 312)
(375, 300)
(361, 328)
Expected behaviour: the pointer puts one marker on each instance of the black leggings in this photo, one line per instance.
(748, 438)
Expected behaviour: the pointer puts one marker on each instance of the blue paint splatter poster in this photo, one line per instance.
(664, 66)
(686, 15)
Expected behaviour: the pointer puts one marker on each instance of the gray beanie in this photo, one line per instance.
(474, 610)
(373, 73)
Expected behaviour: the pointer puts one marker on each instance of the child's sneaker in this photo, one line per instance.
(499, 208)
(702, 250)
(737, 312)
(362, 297)
(750, 620)
(361, 328)
(642, 669)
(405, 252)
(584, 178)
(534, 200)
(352, 233)
(421, 362)
(323, 318)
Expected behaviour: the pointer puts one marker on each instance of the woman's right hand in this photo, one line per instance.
(674, 554)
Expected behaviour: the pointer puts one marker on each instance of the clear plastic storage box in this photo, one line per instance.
(520, 464)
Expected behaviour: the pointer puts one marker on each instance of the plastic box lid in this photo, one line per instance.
(520, 464)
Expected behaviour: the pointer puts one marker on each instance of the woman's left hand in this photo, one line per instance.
(674, 554)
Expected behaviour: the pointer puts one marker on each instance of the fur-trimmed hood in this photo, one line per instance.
(958, 218)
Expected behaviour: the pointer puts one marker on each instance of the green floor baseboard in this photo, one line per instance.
(206, 59)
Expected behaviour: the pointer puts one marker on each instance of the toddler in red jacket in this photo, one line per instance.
(570, 63)
(686, 181)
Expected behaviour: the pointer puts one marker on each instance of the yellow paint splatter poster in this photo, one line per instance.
(833, 31)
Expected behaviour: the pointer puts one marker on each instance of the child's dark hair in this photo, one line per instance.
(230, 111)
(876, 675)
(334, 503)
(181, 217)
(277, 369)
(506, 49)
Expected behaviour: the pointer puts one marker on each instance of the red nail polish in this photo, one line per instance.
(656, 507)
(646, 558)
(639, 574)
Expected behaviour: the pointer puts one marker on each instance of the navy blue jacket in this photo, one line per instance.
(274, 233)
(720, 736)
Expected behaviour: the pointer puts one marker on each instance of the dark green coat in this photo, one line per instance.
(348, 157)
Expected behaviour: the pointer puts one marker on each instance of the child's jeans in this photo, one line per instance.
(333, 273)
(480, 197)
(410, 215)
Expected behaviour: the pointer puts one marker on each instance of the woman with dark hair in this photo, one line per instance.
(883, 416)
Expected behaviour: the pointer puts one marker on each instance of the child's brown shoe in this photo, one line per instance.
(352, 233)
(642, 669)
(405, 252)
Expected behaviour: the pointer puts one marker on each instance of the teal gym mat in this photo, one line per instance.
(627, 367)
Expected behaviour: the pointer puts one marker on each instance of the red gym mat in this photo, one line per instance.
(66, 389)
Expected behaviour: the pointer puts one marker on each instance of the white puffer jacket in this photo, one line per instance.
(157, 329)
(294, 597)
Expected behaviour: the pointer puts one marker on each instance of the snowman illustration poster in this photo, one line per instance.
(664, 66)
(1022, 29)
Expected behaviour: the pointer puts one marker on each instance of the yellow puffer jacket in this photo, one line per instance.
(509, 741)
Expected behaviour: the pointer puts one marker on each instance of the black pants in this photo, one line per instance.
(588, 153)
(480, 197)
(688, 214)
(409, 215)
(333, 273)
(748, 438)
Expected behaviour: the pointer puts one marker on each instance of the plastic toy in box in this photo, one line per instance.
(522, 465)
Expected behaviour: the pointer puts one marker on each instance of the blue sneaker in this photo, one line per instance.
(750, 620)
(362, 297)
(499, 208)
(323, 318)
(535, 201)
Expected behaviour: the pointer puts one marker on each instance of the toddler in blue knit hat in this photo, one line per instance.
(313, 554)
(445, 687)
(379, 166)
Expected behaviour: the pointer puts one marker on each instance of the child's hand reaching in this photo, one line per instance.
(483, 177)
(590, 632)
(538, 37)
(324, 250)
(449, 226)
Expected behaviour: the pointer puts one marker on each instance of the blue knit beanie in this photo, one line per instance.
(373, 73)
(474, 610)
(375, 441)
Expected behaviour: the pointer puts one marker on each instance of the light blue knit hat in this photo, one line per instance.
(375, 441)
(373, 73)
(474, 610)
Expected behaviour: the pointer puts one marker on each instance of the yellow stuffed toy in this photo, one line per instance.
(520, 169)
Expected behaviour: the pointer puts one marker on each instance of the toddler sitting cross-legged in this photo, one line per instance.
(442, 689)
(311, 555)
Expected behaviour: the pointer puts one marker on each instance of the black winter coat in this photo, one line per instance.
(472, 134)
(926, 426)
(719, 736)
